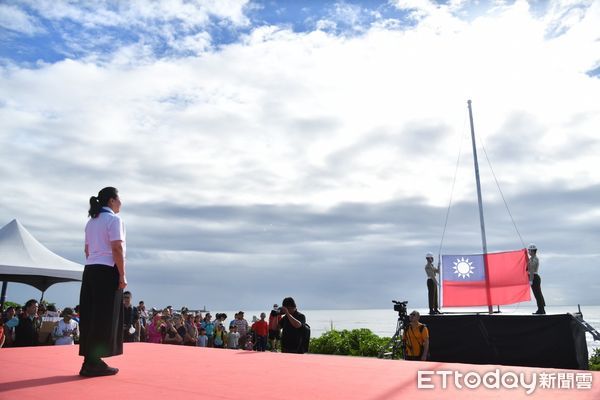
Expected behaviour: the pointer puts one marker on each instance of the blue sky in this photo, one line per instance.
(274, 148)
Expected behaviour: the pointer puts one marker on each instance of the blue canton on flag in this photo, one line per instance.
(463, 268)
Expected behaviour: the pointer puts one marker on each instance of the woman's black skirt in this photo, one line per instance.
(100, 312)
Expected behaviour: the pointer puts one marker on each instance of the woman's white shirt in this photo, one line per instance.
(99, 233)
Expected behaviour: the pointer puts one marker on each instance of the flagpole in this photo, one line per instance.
(483, 238)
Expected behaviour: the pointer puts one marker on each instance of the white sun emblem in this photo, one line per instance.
(463, 268)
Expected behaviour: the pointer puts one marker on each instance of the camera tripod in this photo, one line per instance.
(396, 347)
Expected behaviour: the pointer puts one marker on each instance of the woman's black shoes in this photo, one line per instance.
(98, 368)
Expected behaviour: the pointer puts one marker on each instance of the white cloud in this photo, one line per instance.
(15, 19)
(307, 119)
(140, 13)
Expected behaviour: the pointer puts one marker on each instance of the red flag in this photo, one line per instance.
(464, 279)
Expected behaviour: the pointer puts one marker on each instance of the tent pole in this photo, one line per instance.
(3, 295)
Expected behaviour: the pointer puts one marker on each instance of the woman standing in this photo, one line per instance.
(100, 301)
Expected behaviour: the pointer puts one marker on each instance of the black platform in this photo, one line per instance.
(552, 341)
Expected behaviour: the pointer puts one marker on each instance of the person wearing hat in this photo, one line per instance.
(66, 330)
(432, 284)
(533, 266)
(291, 324)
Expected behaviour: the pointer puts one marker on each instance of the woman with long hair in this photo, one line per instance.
(100, 302)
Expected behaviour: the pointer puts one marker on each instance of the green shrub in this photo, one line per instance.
(595, 360)
(357, 342)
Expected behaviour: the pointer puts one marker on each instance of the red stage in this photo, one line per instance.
(151, 371)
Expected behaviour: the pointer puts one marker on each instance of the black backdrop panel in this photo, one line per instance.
(552, 341)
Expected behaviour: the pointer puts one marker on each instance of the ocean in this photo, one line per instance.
(383, 322)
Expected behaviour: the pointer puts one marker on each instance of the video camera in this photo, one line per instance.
(400, 306)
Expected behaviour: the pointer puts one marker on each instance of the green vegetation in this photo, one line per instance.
(595, 360)
(11, 304)
(357, 342)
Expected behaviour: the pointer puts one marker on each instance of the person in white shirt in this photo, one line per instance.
(233, 338)
(533, 267)
(66, 329)
(104, 278)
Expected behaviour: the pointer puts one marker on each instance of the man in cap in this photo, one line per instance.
(432, 284)
(533, 266)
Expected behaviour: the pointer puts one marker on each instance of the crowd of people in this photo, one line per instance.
(23, 327)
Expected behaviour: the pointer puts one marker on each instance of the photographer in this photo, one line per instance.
(416, 337)
(292, 325)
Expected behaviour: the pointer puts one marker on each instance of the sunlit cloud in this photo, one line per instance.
(245, 148)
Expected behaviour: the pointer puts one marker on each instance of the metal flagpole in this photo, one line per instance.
(483, 239)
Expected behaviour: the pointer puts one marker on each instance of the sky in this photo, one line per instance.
(313, 149)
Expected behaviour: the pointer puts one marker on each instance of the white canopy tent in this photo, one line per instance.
(25, 260)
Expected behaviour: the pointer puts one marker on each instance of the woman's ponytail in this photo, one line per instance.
(96, 203)
(94, 207)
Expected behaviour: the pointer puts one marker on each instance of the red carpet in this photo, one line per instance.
(150, 371)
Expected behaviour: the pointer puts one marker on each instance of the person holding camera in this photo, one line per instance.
(416, 337)
(274, 330)
(292, 325)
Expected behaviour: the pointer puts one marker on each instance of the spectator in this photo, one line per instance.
(209, 328)
(76, 313)
(203, 338)
(153, 331)
(242, 328)
(144, 320)
(249, 344)
(179, 325)
(26, 333)
(191, 332)
(274, 331)
(10, 321)
(170, 334)
(67, 329)
(261, 330)
(2, 335)
(220, 336)
(292, 325)
(233, 338)
(219, 319)
(131, 320)
(232, 322)
(168, 311)
(39, 318)
(198, 321)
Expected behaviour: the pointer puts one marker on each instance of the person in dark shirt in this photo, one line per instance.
(131, 320)
(292, 325)
(26, 333)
